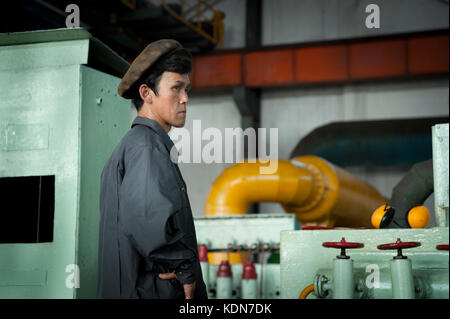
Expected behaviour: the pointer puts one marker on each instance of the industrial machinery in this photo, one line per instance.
(379, 267)
(335, 211)
(240, 254)
(243, 250)
(60, 119)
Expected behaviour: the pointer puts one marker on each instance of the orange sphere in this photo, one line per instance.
(418, 217)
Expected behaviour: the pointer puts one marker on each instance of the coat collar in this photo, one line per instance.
(139, 120)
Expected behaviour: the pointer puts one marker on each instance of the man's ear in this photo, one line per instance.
(146, 93)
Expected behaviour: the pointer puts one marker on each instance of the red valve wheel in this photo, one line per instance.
(311, 227)
(399, 245)
(442, 247)
(342, 244)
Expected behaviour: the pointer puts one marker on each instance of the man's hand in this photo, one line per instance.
(189, 289)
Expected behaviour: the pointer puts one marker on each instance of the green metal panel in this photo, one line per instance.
(84, 48)
(51, 99)
(302, 256)
(105, 117)
(50, 124)
(51, 54)
(440, 173)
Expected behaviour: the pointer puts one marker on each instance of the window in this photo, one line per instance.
(27, 209)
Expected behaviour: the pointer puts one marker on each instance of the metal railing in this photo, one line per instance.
(201, 12)
(199, 9)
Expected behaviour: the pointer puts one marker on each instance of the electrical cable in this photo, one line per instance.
(261, 276)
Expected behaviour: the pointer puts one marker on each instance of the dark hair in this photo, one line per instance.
(177, 63)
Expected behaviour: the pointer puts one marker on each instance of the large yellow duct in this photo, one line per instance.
(318, 192)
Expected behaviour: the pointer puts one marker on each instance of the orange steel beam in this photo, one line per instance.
(390, 57)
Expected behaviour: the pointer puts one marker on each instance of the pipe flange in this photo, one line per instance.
(318, 190)
(321, 286)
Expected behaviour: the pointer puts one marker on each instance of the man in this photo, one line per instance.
(147, 244)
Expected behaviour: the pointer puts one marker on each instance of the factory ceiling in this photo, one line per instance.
(126, 26)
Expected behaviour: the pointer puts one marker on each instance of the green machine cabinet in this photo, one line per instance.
(60, 119)
(305, 261)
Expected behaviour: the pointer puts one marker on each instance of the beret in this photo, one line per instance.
(145, 60)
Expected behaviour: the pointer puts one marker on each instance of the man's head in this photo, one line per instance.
(158, 83)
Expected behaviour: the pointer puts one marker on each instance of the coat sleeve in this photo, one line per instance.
(147, 201)
(178, 258)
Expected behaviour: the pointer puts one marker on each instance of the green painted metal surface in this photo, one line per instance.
(432, 283)
(219, 231)
(103, 124)
(51, 124)
(224, 287)
(440, 173)
(249, 289)
(83, 47)
(302, 257)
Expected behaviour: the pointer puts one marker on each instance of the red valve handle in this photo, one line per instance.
(442, 247)
(342, 244)
(311, 227)
(399, 245)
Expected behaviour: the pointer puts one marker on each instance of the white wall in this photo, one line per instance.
(297, 112)
(234, 23)
(217, 111)
(292, 21)
(296, 21)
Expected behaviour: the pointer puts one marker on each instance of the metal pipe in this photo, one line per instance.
(402, 279)
(412, 190)
(305, 292)
(343, 279)
(318, 192)
(224, 281)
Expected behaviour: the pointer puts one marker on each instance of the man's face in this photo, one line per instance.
(172, 98)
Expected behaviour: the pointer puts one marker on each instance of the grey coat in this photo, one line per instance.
(146, 223)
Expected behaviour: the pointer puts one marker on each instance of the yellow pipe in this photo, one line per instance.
(215, 258)
(242, 184)
(318, 192)
(305, 292)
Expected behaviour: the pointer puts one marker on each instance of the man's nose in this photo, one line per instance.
(184, 98)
